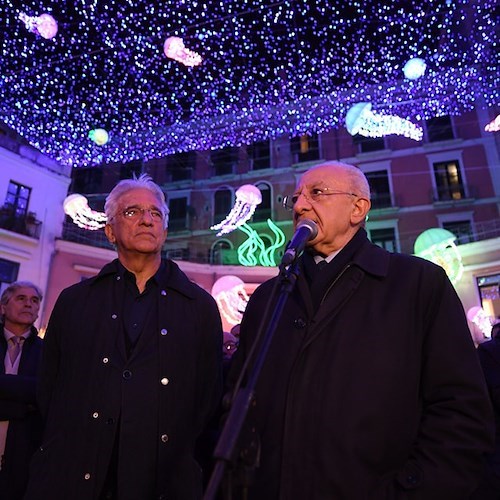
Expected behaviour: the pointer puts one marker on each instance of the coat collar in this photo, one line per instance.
(372, 258)
(169, 276)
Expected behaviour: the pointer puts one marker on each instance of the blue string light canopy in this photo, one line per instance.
(267, 68)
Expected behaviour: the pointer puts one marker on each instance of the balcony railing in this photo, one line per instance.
(27, 225)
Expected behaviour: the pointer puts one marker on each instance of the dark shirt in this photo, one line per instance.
(137, 306)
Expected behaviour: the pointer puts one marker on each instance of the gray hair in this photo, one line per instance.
(144, 181)
(358, 183)
(8, 293)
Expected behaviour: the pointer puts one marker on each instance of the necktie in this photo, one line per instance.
(321, 264)
(15, 348)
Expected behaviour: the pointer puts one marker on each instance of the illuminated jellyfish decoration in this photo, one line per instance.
(414, 68)
(248, 197)
(494, 125)
(478, 317)
(174, 49)
(99, 135)
(77, 207)
(360, 119)
(44, 25)
(231, 297)
(438, 246)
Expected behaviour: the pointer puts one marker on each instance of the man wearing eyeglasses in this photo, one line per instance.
(371, 388)
(131, 371)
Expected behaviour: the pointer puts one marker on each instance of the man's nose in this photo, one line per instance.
(302, 203)
(146, 217)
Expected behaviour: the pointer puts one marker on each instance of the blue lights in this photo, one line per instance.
(269, 68)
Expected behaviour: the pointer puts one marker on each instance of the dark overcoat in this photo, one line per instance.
(377, 395)
(88, 386)
(18, 406)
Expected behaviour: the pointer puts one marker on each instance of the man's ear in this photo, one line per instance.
(108, 231)
(360, 211)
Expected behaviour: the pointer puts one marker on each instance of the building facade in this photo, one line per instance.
(449, 180)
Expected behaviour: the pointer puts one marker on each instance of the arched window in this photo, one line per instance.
(264, 210)
(223, 198)
(219, 248)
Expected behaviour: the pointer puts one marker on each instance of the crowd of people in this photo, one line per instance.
(371, 386)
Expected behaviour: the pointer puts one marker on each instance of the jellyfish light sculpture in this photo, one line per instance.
(231, 297)
(174, 48)
(248, 197)
(44, 25)
(77, 207)
(360, 119)
(438, 246)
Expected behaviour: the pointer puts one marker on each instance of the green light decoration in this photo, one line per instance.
(254, 243)
(438, 246)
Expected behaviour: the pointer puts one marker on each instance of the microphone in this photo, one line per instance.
(306, 230)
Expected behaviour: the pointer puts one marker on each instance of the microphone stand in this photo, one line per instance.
(225, 449)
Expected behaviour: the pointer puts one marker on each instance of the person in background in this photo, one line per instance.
(489, 357)
(20, 420)
(371, 388)
(131, 368)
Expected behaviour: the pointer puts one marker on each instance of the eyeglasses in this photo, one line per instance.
(135, 213)
(314, 195)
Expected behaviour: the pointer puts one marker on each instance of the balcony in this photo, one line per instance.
(27, 225)
(453, 194)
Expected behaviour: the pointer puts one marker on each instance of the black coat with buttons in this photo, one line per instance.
(376, 395)
(153, 404)
(18, 406)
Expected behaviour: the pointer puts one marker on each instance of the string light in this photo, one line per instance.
(269, 69)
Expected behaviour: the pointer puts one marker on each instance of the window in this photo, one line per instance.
(448, 178)
(181, 166)
(368, 144)
(380, 189)
(17, 199)
(264, 209)
(222, 204)
(177, 219)
(385, 238)
(260, 155)
(221, 253)
(461, 229)
(489, 292)
(439, 129)
(131, 169)
(87, 180)
(305, 148)
(224, 160)
(8, 273)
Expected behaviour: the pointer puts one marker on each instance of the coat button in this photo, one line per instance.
(164, 438)
(114, 316)
(87, 476)
(105, 360)
(127, 374)
(164, 381)
(110, 421)
(299, 323)
(163, 292)
(163, 331)
(95, 415)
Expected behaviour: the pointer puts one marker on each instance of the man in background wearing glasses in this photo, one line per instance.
(131, 370)
(371, 388)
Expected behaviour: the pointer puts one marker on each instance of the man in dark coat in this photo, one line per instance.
(371, 388)
(20, 420)
(131, 370)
